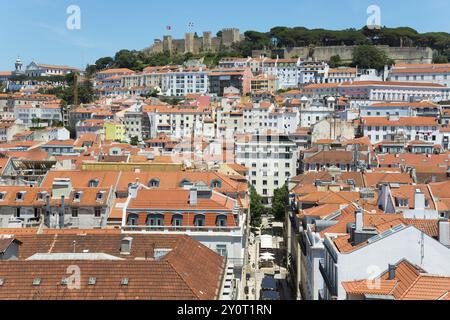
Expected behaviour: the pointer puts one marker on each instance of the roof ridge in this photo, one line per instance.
(410, 287)
(169, 263)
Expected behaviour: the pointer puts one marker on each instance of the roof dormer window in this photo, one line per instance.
(154, 183)
(100, 195)
(20, 196)
(94, 183)
(216, 184)
(41, 196)
(77, 196)
(402, 202)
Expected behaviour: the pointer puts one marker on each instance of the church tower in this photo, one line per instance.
(18, 66)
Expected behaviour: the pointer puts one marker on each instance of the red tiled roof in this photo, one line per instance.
(190, 271)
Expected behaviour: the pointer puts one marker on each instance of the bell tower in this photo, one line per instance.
(18, 66)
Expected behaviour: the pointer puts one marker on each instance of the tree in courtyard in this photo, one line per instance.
(257, 208)
(280, 203)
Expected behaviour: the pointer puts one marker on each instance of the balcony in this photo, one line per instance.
(180, 229)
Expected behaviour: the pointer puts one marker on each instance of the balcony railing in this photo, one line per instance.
(129, 228)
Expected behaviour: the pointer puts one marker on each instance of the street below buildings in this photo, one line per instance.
(257, 268)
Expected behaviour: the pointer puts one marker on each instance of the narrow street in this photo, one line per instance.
(256, 271)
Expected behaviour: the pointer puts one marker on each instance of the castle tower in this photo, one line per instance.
(207, 41)
(230, 36)
(168, 44)
(189, 43)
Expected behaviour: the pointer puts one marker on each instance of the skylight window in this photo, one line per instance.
(125, 282)
(92, 281)
(37, 282)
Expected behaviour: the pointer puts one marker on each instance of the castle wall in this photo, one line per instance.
(399, 55)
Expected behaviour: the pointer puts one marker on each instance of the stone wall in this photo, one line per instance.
(399, 55)
(195, 45)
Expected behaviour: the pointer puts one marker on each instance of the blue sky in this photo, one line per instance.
(36, 29)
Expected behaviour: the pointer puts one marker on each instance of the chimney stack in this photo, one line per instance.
(61, 214)
(444, 232)
(359, 220)
(125, 245)
(48, 211)
(193, 196)
(419, 200)
(392, 271)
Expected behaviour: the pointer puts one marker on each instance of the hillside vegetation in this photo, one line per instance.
(283, 37)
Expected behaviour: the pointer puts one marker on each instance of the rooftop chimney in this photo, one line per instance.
(444, 232)
(62, 213)
(193, 196)
(359, 220)
(419, 200)
(125, 245)
(61, 187)
(392, 270)
(133, 189)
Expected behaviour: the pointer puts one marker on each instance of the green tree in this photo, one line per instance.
(152, 94)
(104, 63)
(440, 58)
(126, 59)
(134, 141)
(280, 203)
(335, 61)
(257, 208)
(370, 57)
(91, 69)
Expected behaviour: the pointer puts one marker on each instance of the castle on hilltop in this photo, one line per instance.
(195, 44)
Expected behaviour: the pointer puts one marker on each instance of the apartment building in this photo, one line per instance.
(286, 71)
(428, 73)
(367, 92)
(263, 83)
(393, 127)
(135, 121)
(193, 209)
(50, 113)
(271, 159)
(401, 281)
(370, 250)
(60, 206)
(401, 109)
(312, 72)
(179, 122)
(221, 79)
(321, 90)
(312, 111)
(114, 267)
(108, 73)
(234, 63)
(185, 81)
(341, 75)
